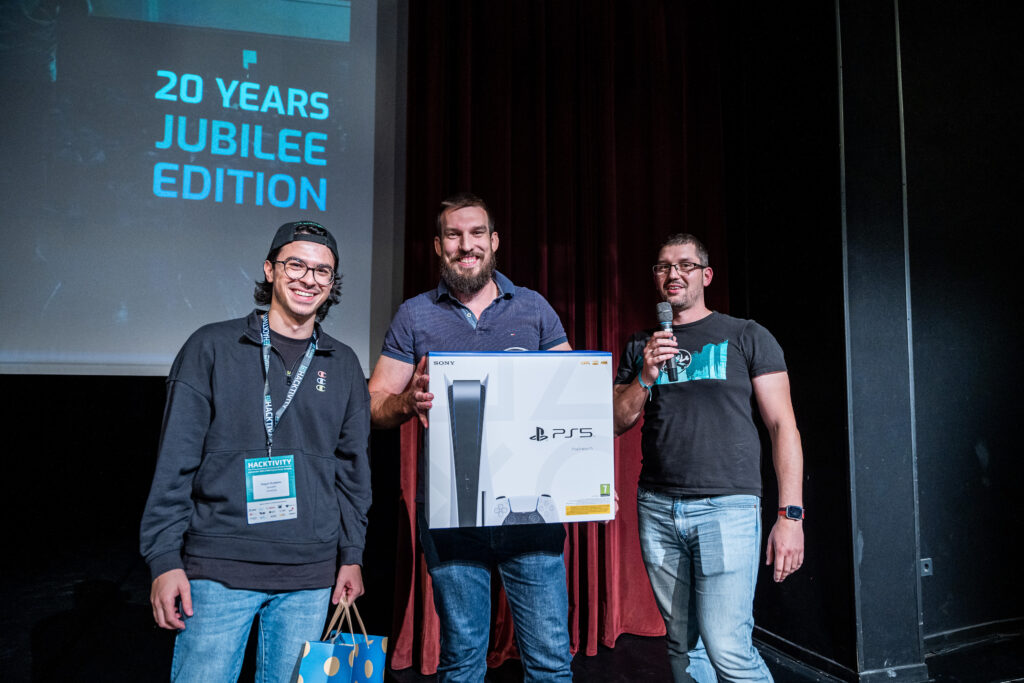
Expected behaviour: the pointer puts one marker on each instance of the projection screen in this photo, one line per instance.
(151, 148)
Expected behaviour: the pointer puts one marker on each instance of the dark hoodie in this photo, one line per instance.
(213, 422)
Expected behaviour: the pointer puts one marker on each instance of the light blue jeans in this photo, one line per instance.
(529, 561)
(212, 644)
(702, 558)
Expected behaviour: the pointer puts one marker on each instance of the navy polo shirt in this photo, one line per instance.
(519, 319)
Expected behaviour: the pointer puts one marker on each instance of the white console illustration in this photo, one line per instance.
(466, 403)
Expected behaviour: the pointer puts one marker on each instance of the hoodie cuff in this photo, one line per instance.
(165, 563)
(350, 555)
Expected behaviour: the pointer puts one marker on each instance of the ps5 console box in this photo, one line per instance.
(519, 438)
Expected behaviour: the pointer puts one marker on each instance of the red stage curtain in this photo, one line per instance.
(593, 131)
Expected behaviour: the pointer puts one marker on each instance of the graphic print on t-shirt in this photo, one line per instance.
(708, 363)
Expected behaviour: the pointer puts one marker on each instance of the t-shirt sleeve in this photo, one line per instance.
(551, 331)
(763, 352)
(630, 361)
(399, 341)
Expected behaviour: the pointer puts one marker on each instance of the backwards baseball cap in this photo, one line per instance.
(290, 232)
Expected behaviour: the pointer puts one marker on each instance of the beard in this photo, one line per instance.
(684, 300)
(468, 283)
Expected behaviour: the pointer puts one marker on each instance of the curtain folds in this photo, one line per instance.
(593, 131)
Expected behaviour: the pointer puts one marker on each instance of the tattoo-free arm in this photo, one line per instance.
(629, 399)
(785, 548)
(398, 391)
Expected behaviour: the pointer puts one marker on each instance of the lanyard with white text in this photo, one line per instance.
(270, 419)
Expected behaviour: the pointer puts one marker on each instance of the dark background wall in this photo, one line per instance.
(80, 449)
(961, 92)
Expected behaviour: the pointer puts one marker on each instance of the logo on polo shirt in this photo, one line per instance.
(321, 381)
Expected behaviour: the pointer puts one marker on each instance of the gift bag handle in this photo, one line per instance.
(358, 618)
(340, 611)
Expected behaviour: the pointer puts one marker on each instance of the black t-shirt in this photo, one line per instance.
(291, 351)
(699, 436)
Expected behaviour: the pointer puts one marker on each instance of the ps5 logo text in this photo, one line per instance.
(563, 433)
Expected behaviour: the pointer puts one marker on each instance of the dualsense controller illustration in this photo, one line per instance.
(524, 510)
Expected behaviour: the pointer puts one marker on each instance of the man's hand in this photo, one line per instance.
(628, 399)
(398, 391)
(661, 347)
(349, 585)
(166, 590)
(416, 396)
(785, 547)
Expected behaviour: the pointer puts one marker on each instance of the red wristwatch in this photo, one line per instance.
(792, 512)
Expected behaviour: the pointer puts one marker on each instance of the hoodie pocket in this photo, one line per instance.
(221, 508)
(218, 493)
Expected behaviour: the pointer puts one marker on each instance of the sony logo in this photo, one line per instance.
(443, 362)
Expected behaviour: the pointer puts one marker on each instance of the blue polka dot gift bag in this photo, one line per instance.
(341, 657)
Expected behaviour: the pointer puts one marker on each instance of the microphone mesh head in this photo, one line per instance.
(664, 312)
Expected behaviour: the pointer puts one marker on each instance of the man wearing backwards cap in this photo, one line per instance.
(258, 503)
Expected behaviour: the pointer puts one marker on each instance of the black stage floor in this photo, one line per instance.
(79, 612)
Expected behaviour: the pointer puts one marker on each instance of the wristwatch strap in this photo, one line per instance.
(792, 512)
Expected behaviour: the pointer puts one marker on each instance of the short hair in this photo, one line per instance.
(462, 200)
(681, 238)
(265, 290)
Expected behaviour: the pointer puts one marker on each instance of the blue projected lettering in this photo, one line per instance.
(190, 181)
(248, 96)
(181, 173)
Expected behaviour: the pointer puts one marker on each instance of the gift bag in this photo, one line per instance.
(367, 661)
(346, 657)
(326, 661)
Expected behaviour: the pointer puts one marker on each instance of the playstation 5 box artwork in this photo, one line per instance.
(519, 438)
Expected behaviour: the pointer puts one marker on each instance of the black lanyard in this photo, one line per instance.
(270, 418)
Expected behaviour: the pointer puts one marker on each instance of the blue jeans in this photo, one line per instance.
(529, 561)
(702, 558)
(212, 644)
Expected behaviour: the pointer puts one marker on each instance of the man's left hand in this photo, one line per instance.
(349, 585)
(785, 547)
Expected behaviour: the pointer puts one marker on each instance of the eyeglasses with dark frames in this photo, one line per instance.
(296, 269)
(683, 267)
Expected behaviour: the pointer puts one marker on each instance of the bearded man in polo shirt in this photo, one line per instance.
(476, 308)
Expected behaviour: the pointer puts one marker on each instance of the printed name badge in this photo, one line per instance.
(270, 489)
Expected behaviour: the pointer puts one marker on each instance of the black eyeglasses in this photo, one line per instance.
(683, 267)
(296, 269)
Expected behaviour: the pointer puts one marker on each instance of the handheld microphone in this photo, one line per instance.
(665, 321)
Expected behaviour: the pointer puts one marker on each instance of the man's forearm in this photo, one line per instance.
(787, 455)
(628, 404)
(388, 410)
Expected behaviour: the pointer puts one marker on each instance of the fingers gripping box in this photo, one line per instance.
(519, 438)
